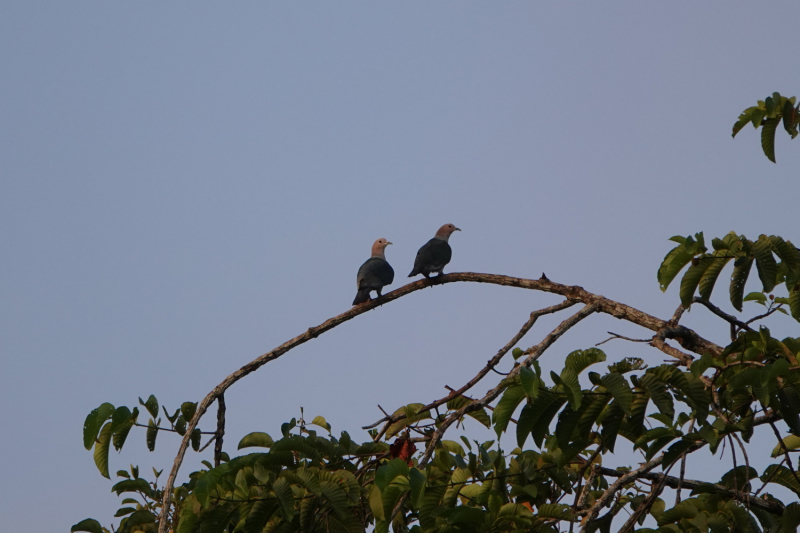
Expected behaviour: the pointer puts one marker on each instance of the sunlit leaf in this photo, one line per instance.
(101, 450)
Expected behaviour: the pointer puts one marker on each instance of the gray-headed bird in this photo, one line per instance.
(435, 253)
(374, 274)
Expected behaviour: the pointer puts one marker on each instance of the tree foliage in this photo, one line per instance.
(310, 479)
(529, 454)
(768, 114)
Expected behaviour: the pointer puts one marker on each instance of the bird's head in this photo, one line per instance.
(445, 231)
(379, 246)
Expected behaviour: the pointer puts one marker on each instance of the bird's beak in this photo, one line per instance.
(388, 243)
(457, 229)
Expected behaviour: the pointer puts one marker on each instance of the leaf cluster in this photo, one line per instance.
(768, 114)
(777, 263)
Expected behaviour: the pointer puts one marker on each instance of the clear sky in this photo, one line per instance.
(186, 185)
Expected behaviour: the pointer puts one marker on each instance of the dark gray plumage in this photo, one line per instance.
(374, 274)
(434, 254)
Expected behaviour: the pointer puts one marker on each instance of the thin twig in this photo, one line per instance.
(616, 336)
(722, 314)
(647, 503)
(765, 315)
(785, 451)
(683, 471)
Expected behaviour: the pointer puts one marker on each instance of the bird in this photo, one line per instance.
(434, 254)
(374, 274)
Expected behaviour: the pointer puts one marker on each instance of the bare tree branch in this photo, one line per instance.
(646, 504)
(532, 353)
(616, 336)
(670, 481)
(485, 370)
(690, 341)
(722, 314)
(220, 429)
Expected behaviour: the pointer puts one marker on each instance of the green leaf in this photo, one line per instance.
(546, 406)
(673, 263)
(580, 360)
(711, 274)
(335, 495)
(140, 518)
(120, 433)
(794, 304)
(101, 450)
(516, 353)
(283, 491)
(90, 524)
(120, 417)
(527, 418)
(781, 475)
(791, 518)
(567, 421)
(738, 477)
(741, 270)
(572, 387)
(188, 410)
(555, 511)
(259, 515)
(151, 405)
(321, 422)
(94, 421)
(481, 416)
(768, 137)
(684, 510)
(790, 118)
(788, 408)
(195, 439)
(765, 263)
(131, 485)
(744, 120)
(152, 432)
(376, 503)
(530, 382)
(506, 406)
(657, 391)
(611, 424)
(416, 481)
(257, 438)
(618, 386)
(759, 297)
(692, 279)
(412, 413)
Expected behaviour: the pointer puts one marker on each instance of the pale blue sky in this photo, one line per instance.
(185, 186)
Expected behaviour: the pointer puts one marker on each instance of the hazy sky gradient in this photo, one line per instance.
(187, 185)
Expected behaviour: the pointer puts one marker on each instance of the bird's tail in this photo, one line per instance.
(361, 296)
(413, 273)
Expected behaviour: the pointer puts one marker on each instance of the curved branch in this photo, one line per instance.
(722, 314)
(692, 341)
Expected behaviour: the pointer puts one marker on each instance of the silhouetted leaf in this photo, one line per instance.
(94, 421)
(506, 406)
(101, 450)
(257, 438)
(768, 137)
(741, 271)
(90, 524)
(151, 405)
(618, 386)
